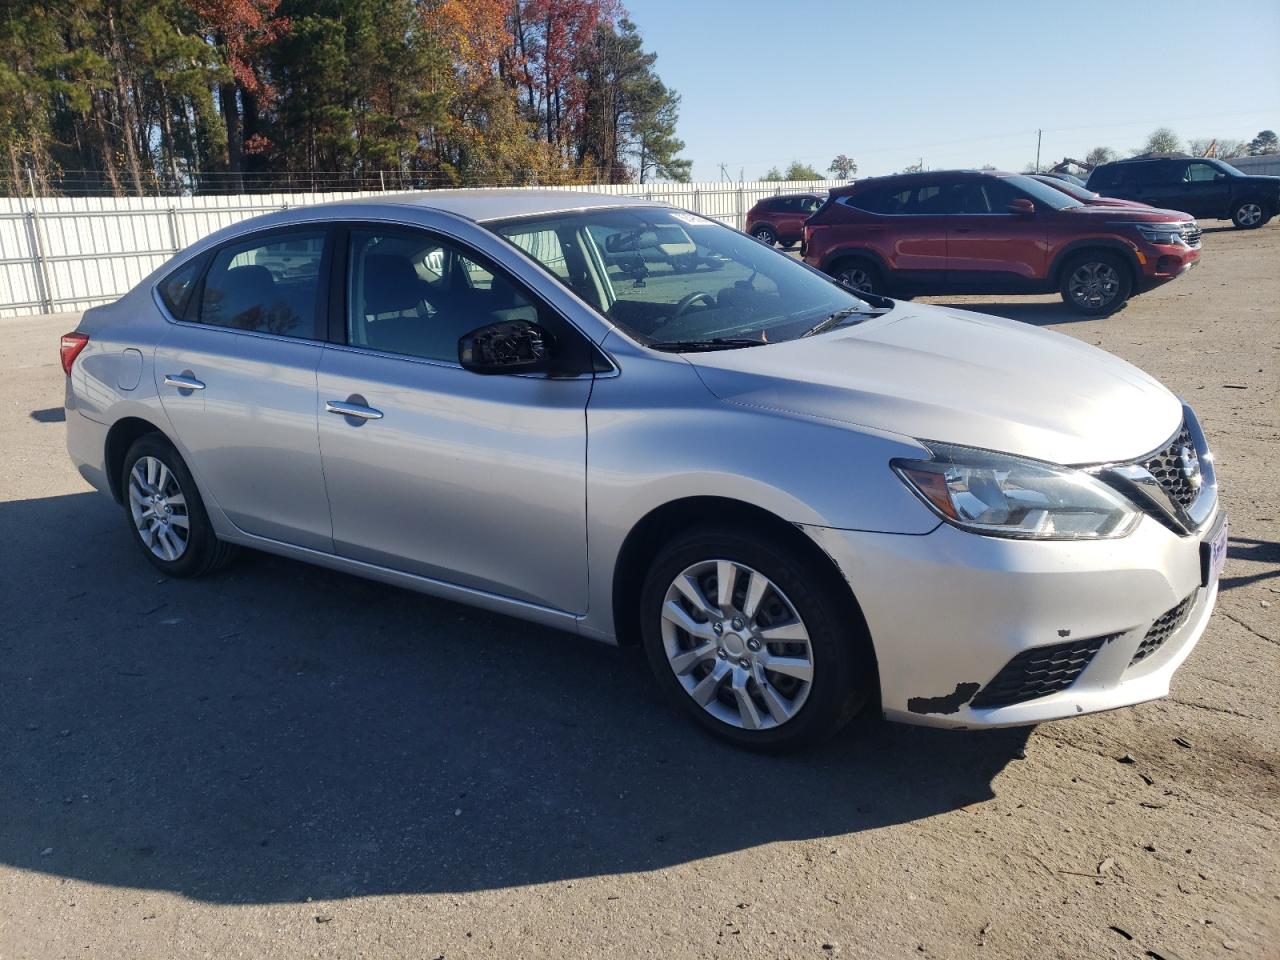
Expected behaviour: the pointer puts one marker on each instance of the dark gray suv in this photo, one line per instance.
(1206, 188)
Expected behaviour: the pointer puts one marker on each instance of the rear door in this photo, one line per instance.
(478, 481)
(1156, 182)
(236, 375)
(987, 246)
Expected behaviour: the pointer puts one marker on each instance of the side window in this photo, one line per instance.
(544, 246)
(175, 290)
(268, 285)
(1155, 172)
(884, 200)
(413, 294)
(988, 195)
(1105, 178)
(810, 204)
(1199, 172)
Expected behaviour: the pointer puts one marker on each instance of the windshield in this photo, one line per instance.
(667, 277)
(1227, 168)
(1043, 193)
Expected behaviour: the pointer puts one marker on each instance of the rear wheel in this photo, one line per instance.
(1249, 214)
(1096, 283)
(859, 274)
(165, 512)
(765, 234)
(753, 640)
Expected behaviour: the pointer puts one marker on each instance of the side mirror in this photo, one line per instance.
(1219, 176)
(1022, 207)
(511, 346)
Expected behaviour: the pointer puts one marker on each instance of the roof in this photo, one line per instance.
(857, 186)
(499, 204)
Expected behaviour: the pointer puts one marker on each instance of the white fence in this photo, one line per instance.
(69, 253)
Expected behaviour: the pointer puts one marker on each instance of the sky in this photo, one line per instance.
(956, 84)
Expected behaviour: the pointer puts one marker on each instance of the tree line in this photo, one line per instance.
(1165, 140)
(141, 96)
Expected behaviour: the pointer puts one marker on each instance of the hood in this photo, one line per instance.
(935, 373)
(1117, 202)
(1262, 180)
(1133, 211)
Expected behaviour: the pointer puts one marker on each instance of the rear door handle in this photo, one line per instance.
(346, 408)
(963, 229)
(182, 381)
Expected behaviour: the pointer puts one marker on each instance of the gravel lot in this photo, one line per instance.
(284, 762)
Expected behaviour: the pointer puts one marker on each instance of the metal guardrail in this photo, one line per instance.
(70, 253)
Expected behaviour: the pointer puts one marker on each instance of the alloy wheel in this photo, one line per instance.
(856, 278)
(1094, 284)
(1249, 214)
(737, 645)
(159, 509)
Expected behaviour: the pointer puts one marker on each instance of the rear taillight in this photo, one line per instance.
(72, 344)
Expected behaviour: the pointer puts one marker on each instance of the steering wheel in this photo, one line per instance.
(686, 302)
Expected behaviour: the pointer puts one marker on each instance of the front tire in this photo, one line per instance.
(1096, 283)
(754, 640)
(165, 513)
(766, 235)
(1249, 215)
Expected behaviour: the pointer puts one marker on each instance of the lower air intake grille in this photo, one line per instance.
(1164, 627)
(1038, 672)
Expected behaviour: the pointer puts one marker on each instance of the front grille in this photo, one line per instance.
(1191, 234)
(1038, 672)
(1167, 467)
(1165, 626)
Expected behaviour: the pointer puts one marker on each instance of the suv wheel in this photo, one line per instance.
(1096, 283)
(165, 511)
(752, 640)
(1249, 214)
(858, 274)
(765, 234)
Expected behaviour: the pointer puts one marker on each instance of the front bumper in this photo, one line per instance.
(1164, 262)
(948, 610)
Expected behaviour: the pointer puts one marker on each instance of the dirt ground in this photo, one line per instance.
(287, 762)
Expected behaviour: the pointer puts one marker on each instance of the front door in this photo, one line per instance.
(473, 480)
(1203, 191)
(987, 246)
(236, 375)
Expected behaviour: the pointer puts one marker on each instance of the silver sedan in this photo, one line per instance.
(634, 423)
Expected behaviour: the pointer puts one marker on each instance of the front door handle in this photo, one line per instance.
(353, 406)
(182, 381)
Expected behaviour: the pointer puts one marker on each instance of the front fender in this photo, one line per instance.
(657, 435)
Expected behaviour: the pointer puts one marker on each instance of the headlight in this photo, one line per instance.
(1168, 233)
(1006, 496)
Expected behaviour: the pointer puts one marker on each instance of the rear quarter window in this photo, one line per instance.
(175, 289)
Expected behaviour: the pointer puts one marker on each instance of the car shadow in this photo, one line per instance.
(50, 415)
(1037, 314)
(280, 732)
(1253, 551)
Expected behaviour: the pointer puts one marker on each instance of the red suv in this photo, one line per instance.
(983, 232)
(781, 219)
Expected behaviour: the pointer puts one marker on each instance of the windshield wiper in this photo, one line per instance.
(833, 319)
(713, 343)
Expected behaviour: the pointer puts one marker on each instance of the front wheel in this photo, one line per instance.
(753, 640)
(1096, 283)
(165, 512)
(1248, 215)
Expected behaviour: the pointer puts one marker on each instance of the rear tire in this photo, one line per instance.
(784, 609)
(1095, 283)
(766, 235)
(859, 274)
(1249, 214)
(165, 513)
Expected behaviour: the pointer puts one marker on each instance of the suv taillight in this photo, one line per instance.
(72, 344)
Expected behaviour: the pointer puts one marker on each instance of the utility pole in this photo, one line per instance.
(1038, 133)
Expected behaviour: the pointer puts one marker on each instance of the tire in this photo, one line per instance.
(801, 600)
(859, 274)
(1249, 214)
(162, 481)
(1095, 283)
(765, 234)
